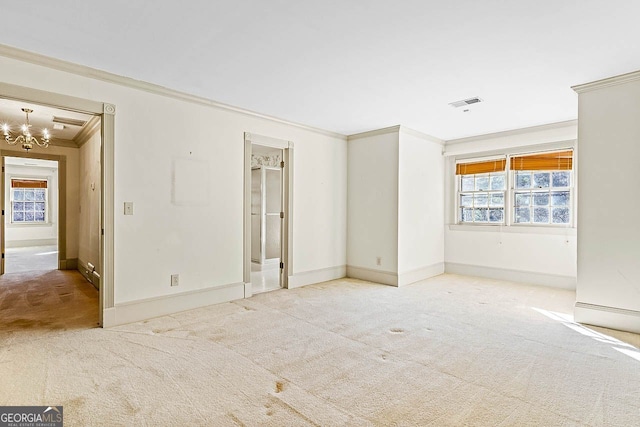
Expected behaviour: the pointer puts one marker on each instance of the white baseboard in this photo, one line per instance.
(376, 276)
(420, 274)
(248, 290)
(607, 317)
(530, 277)
(135, 311)
(316, 276)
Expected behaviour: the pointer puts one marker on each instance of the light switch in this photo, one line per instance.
(128, 208)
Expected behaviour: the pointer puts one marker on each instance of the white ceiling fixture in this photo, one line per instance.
(27, 140)
(465, 102)
(345, 66)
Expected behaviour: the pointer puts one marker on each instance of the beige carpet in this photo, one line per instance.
(450, 351)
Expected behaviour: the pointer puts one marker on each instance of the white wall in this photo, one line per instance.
(18, 235)
(373, 203)
(420, 206)
(203, 244)
(538, 255)
(90, 199)
(609, 235)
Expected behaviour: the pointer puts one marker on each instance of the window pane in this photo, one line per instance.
(466, 200)
(40, 194)
(560, 198)
(523, 215)
(560, 179)
(18, 206)
(466, 215)
(39, 207)
(541, 180)
(40, 216)
(496, 215)
(560, 215)
(541, 215)
(496, 199)
(480, 215)
(523, 180)
(29, 206)
(481, 199)
(29, 195)
(482, 182)
(467, 183)
(18, 195)
(497, 182)
(18, 216)
(28, 216)
(541, 199)
(523, 199)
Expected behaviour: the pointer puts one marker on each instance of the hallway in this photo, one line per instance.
(46, 300)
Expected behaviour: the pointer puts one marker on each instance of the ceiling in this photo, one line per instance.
(351, 66)
(42, 117)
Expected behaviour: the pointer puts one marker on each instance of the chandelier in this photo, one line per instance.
(26, 139)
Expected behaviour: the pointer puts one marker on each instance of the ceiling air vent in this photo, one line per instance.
(465, 102)
(70, 122)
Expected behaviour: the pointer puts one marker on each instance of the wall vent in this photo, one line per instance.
(465, 102)
(70, 122)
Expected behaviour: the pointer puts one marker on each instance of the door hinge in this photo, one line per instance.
(281, 214)
(102, 231)
(282, 164)
(281, 264)
(3, 255)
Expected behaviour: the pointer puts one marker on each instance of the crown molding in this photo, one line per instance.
(513, 132)
(367, 134)
(87, 131)
(421, 135)
(93, 73)
(610, 81)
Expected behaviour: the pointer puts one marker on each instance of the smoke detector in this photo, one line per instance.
(465, 102)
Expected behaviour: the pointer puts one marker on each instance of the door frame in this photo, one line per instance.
(62, 203)
(107, 113)
(286, 248)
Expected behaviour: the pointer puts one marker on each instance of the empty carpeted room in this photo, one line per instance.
(280, 213)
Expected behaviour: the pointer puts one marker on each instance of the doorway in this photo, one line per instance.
(266, 218)
(267, 214)
(100, 125)
(31, 206)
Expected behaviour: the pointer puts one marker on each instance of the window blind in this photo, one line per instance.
(497, 165)
(557, 160)
(28, 183)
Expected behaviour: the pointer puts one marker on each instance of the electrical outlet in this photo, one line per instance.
(378, 260)
(175, 279)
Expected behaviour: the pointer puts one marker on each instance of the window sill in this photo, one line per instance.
(522, 229)
(29, 224)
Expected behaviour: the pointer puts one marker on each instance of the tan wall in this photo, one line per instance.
(89, 199)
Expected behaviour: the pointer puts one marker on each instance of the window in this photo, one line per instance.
(28, 201)
(482, 187)
(541, 190)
